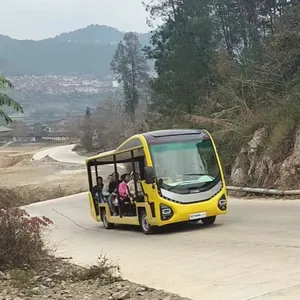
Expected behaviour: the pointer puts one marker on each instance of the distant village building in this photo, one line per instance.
(55, 136)
(33, 132)
(61, 84)
(57, 131)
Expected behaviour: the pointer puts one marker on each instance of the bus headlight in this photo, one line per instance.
(166, 212)
(222, 203)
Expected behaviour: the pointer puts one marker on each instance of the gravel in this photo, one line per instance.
(57, 281)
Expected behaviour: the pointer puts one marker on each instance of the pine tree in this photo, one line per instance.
(130, 67)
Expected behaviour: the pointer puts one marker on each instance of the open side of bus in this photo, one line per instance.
(181, 180)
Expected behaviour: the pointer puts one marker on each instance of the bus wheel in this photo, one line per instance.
(144, 223)
(209, 220)
(106, 224)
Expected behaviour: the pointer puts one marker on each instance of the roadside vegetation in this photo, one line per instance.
(26, 260)
(25, 195)
(125, 111)
(231, 67)
(29, 269)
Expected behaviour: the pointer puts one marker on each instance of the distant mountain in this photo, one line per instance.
(83, 51)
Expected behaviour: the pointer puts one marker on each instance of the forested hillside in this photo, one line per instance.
(84, 51)
(232, 66)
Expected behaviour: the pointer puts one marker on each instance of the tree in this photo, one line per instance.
(5, 100)
(250, 80)
(187, 46)
(130, 67)
(183, 50)
(245, 24)
(87, 131)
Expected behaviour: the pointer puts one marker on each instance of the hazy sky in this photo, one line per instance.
(38, 19)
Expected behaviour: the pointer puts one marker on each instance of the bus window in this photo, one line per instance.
(192, 163)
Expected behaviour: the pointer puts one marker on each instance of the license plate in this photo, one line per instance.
(199, 215)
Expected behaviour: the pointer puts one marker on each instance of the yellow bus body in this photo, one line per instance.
(181, 212)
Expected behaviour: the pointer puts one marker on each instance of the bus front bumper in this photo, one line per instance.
(170, 212)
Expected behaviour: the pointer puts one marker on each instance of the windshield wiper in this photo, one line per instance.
(196, 174)
(180, 183)
(174, 186)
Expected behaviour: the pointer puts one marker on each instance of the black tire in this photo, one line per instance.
(209, 220)
(106, 224)
(144, 224)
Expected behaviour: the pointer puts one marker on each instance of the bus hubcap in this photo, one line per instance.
(104, 219)
(145, 223)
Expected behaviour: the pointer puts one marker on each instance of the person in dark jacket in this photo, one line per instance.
(113, 184)
(112, 188)
(98, 189)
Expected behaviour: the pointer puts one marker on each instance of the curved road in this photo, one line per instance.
(252, 253)
(62, 154)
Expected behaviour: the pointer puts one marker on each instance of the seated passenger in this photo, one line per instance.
(123, 188)
(113, 184)
(106, 186)
(134, 178)
(97, 190)
(100, 182)
(124, 195)
(112, 188)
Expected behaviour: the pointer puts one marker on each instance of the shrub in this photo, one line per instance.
(20, 235)
(105, 271)
(9, 198)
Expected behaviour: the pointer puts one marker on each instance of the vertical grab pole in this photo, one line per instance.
(90, 179)
(118, 198)
(96, 174)
(133, 170)
(96, 170)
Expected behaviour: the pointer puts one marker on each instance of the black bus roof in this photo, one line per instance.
(107, 156)
(170, 132)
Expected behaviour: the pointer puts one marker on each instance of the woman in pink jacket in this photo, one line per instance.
(124, 193)
(123, 188)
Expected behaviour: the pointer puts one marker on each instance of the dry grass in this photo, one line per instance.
(59, 269)
(24, 195)
(12, 160)
(105, 270)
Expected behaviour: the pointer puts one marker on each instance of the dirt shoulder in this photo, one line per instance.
(62, 280)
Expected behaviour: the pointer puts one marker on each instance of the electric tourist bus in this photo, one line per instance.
(175, 176)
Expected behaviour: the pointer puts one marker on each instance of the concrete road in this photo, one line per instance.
(62, 154)
(65, 154)
(252, 253)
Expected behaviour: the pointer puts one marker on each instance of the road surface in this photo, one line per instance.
(65, 154)
(252, 253)
(62, 154)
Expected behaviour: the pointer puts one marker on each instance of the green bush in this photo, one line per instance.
(20, 235)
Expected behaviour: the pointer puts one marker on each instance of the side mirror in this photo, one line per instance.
(149, 175)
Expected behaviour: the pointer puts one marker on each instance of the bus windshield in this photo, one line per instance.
(187, 166)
